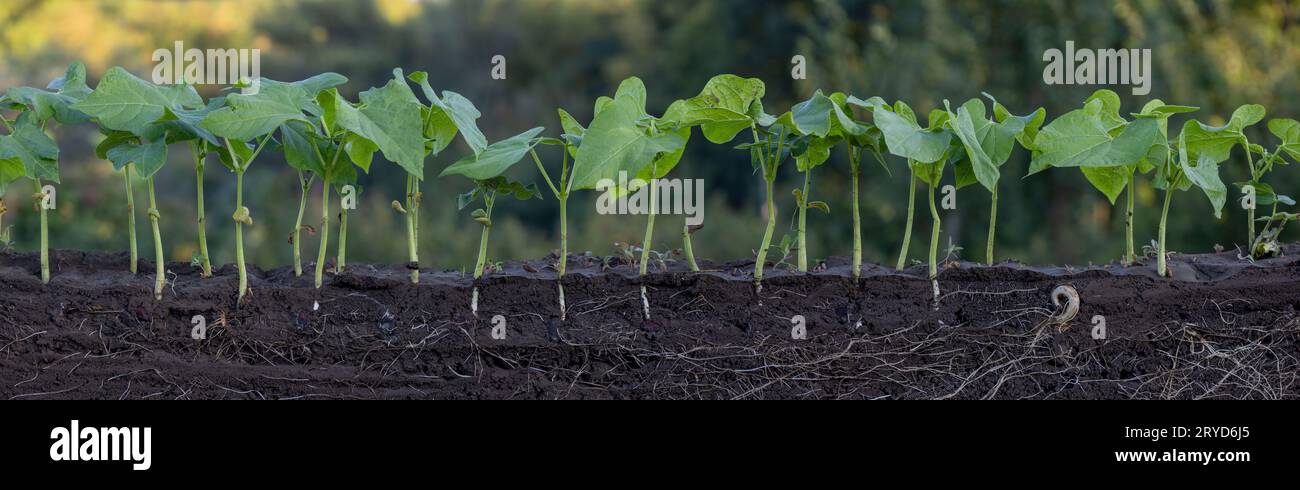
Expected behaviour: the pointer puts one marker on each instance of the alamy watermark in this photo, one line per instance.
(194, 66)
(672, 196)
(1099, 67)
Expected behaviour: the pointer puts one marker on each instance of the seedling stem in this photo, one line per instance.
(199, 150)
(130, 213)
(160, 265)
(911, 207)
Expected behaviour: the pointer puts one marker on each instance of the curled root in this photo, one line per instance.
(1071, 308)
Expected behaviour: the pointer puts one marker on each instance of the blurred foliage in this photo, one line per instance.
(1215, 54)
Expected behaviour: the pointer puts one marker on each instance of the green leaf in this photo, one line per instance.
(248, 117)
(613, 143)
(1288, 130)
(963, 125)
(1264, 194)
(29, 146)
(148, 158)
(390, 118)
(501, 185)
(496, 158)
(456, 109)
(124, 102)
(10, 171)
(818, 151)
(360, 150)
(1217, 142)
(183, 124)
(813, 116)
(320, 83)
(1205, 174)
(664, 151)
(1083, 138)
(727, 105)
(906, 138)
(1111, 181)
(303, 148)
(1106, 108)
(569, 124)
(1029, 124)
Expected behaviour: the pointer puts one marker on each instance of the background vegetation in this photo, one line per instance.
(1216, 54)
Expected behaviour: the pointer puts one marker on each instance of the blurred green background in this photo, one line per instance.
(1215, 54)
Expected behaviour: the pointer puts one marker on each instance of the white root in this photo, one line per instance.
(935, 283)
(562, 309)
(645, 302)
(1071, 298)
(473, 302)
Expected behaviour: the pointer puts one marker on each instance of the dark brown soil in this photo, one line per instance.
(1221, 328)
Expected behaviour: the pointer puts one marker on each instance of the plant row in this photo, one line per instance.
(327, 138)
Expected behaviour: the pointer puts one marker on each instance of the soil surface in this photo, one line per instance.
(1221, 327)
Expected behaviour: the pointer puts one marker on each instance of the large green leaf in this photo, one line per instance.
(453, 108)
(496, 158)
(29, 146)
(963, 125)
(1084, 138)
(248, 117)
(906, 138)
(390, 118)
(722, 109)
(1217, 142)
(124, 102)
(67, 90)
(811, 117)
(613, 143)
(148, 158)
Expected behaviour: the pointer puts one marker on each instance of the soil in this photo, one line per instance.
(1221, 327)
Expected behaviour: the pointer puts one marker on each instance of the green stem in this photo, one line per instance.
(767, 236)
(650, 223)
(934, 236)
(483, 239)
(45, 235)
(160, 266)
(297, 225)
(343, 242)
(687, 249)
(1130, 256)
(1250, 213)
(854, 157)
(993, 225)
(564, 234)
(239, 235)
(803, 223)
(1164, 216)
(130, 220)
(203, 233)
(911, 206)
(324, 231)
(412, 247)
(1250, 224)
